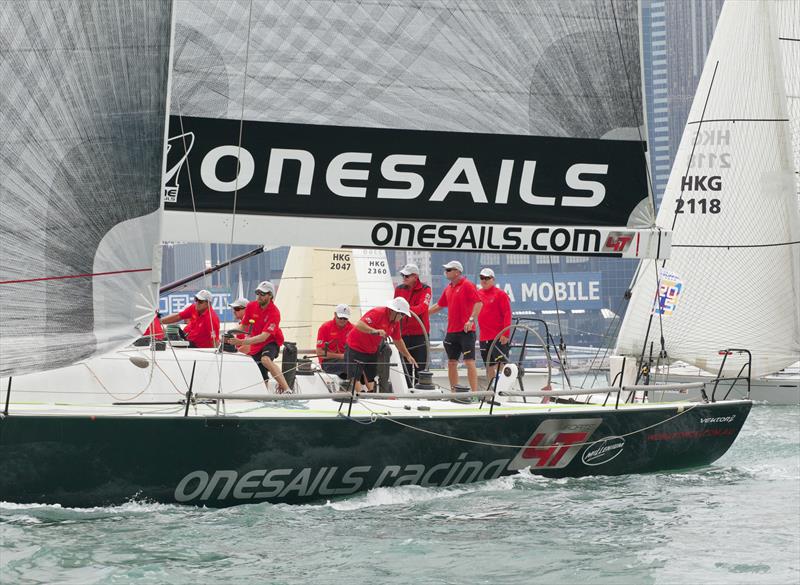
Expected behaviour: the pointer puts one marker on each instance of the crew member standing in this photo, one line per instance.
(418, 295)
(364, 341)
(202, 322)
(331, 340)
(264, 341)
(461, 300)
(495, 316)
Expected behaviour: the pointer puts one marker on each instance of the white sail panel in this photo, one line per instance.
(82, 118)
(731, 202)
(545, 68)
(315, 280)
(788, 18)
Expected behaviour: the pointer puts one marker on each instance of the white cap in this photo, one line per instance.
(342, 311)
(409, 269)
(400, 305)
(239, 303)
(266, 287)
(454, 264)
(203, 295)
(487, 272)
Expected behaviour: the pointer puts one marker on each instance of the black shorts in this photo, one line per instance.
(335, 366)
(368, 364)
(499, 353)
(459, 343)
(271, 350)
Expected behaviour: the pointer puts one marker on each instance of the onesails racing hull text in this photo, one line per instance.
(222, 461)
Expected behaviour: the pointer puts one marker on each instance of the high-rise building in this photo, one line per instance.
(676, 35)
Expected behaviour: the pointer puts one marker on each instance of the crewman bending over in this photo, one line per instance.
(364, 341)
(331, 340)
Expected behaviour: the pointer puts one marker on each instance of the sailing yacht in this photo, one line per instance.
(732, 281)
(329, 124)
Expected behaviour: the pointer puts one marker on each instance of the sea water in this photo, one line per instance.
(737, 521)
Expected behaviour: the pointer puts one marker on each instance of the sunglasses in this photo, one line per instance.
(238, 309)
(261, 294)
(407, 275)
(487, 277)
(342, 318)
(199, 301)
(449, 269)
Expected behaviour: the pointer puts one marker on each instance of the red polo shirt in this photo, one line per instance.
(419, 299)
(267, 319)
(459, 298)
(202, 330)
(377, 318)
(335, 336)
(495, 313)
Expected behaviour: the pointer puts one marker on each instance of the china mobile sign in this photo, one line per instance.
(401, 188)
(536, 292)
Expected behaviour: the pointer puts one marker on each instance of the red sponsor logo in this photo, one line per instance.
(618, 243)
(704, 434)
(550, 455)
(555, 443)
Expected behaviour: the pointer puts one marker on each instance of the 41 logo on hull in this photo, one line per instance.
(554, 443)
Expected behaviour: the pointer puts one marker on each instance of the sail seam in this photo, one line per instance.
(773, 245)
(739, 120)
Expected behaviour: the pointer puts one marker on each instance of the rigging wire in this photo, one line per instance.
(381, 415)
(635, 112)
(221, 354)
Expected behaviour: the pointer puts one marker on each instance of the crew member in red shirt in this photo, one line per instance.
(418, 295)
(331, 340)
(202, 322)
(495, 316)
(238, 306)
(364, 341)
(264, 340)
(461, 300)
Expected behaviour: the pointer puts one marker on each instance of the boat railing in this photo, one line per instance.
(261, 397)
(732, 379)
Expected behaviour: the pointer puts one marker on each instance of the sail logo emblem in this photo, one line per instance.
(554, 443)
(669, 291)
(176, 157)
(603, 451)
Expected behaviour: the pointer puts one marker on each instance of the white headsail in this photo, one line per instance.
(733, 278)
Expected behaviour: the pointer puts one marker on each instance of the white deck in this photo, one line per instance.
(113, 385)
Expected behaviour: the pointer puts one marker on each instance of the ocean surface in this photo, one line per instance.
(737, 521)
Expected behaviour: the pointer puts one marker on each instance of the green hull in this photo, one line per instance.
(223, 461)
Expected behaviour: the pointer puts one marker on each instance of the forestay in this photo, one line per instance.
(82, 128)
(732, 280)
(434, 125)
